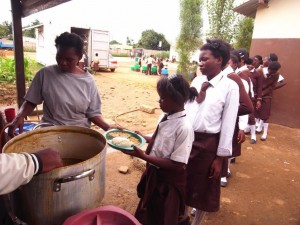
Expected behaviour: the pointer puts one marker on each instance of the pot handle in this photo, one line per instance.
(57, 182)
(42, 125)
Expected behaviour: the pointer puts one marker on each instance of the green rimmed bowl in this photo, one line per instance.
(109, 135)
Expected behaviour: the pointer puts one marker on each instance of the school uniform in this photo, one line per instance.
(257, 81)
(245, 107)
(245, 104)
(245, 74)
(162, 191)
(213, 121)
(269, 84)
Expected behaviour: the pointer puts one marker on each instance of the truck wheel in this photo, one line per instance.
(112, 70)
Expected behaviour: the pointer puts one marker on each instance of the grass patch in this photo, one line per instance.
(120, 55)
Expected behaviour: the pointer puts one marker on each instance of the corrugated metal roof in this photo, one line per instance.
(33, 6)
(248, 8)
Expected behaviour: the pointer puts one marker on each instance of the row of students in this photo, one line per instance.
(257, 70)
(259, 82)
(197, 133)
(193, 139)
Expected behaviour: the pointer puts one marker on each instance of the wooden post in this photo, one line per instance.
(16, 8)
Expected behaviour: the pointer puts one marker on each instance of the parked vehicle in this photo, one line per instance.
(6, 46)
(113, 63)
(95, 41)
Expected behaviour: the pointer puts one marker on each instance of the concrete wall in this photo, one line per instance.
(277, 29)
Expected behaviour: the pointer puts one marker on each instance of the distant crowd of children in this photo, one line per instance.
(153, 61)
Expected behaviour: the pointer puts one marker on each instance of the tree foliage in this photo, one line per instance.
(190, 32)
(5, 29)
(243, 33)
(31, 32)
(221, 19)
(150, 40)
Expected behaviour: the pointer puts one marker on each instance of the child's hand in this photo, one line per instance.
(148, 139)
(137, 152)
(116, 127)
(139, 133)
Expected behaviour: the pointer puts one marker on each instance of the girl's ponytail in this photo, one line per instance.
(193, 94)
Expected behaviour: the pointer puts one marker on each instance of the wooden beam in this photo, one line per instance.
(16, 8)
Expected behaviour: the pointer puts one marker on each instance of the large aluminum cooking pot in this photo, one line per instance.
(49, 199)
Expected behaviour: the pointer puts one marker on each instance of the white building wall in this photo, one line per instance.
(276, 21)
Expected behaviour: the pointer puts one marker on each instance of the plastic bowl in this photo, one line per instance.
(105, 215)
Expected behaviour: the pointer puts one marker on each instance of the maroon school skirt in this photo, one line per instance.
(265, 110)
(236, 147)
(162, 197)
(251, 120)
(203, 193)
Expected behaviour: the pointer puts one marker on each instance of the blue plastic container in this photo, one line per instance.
(165, 72)
(27, 126)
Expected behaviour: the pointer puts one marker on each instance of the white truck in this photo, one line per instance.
(95, 41)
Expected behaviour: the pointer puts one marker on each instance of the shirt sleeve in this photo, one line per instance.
(16, 170)
(243, 122)
(94, 108)
(228, 121)
(183, 145)
(34, 93)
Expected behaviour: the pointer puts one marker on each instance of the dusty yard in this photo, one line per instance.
(265, 182)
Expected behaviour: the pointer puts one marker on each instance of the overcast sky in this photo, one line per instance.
(121, 18)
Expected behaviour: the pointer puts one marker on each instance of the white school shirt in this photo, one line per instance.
(174, 138)
(218, 112)
(243, 120)
(251, 84)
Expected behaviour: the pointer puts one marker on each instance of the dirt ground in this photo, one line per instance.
(264, 185)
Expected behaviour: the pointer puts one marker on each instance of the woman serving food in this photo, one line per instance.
(68, 93)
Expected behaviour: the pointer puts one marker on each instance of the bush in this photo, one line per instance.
(29, 49)
(7, 69)
(10, 37)
(163, 54)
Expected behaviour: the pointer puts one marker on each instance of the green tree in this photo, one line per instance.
(5, 29)
(221, 19)
(243, 33)
(31, 32)
(114, 42)
(190, 32)
(150, 40)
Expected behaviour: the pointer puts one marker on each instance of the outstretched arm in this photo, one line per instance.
(25, 110)
(18, 169)
(164, 163)
(280, 84)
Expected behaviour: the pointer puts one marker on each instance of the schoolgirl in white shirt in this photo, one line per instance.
(162, 185)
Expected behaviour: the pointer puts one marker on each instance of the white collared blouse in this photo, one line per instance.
(218, 112)
(174, 138)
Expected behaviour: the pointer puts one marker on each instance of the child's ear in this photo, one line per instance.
(219, 60)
